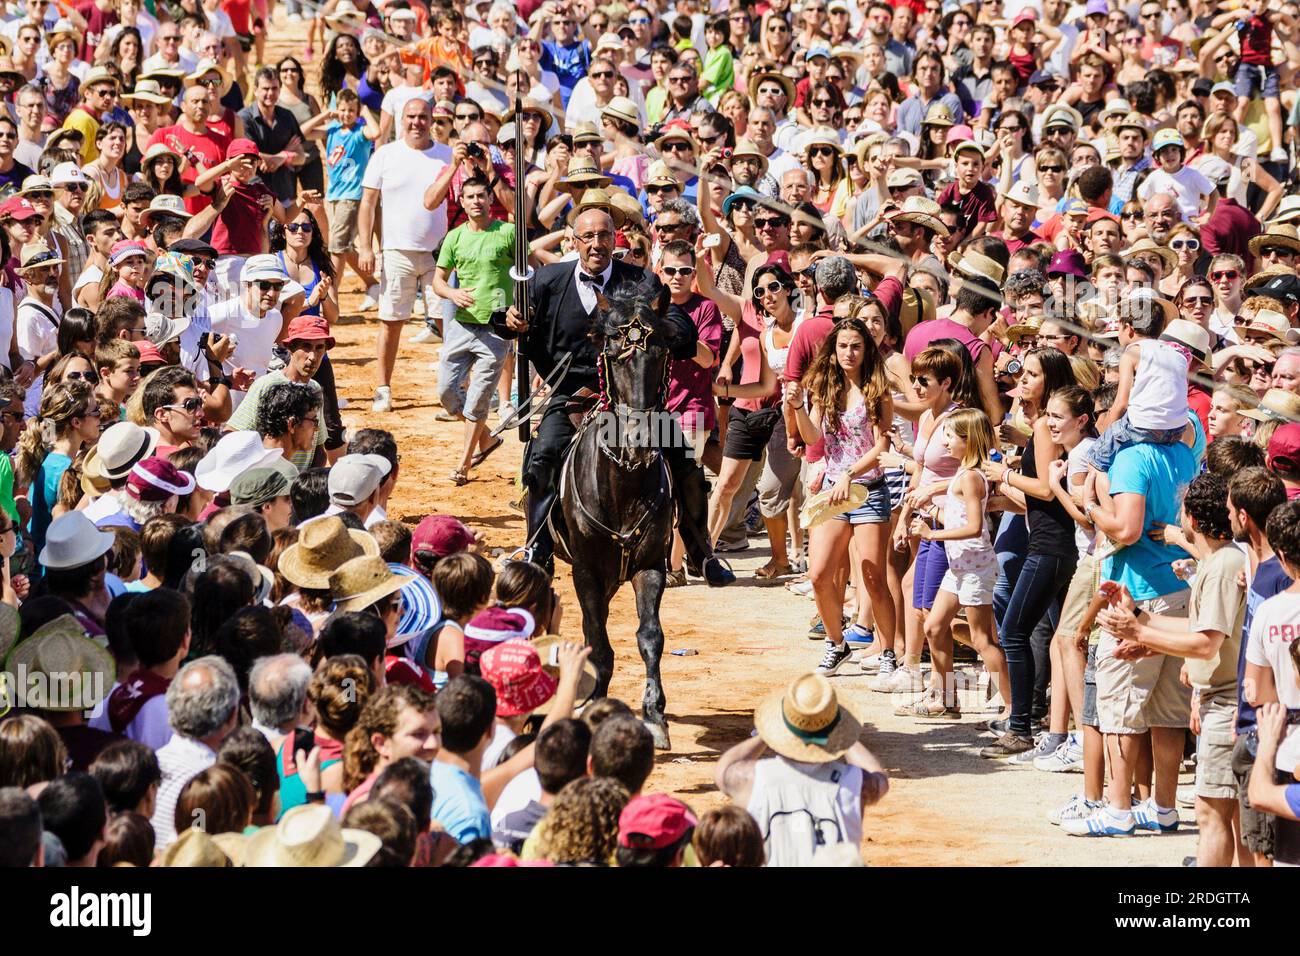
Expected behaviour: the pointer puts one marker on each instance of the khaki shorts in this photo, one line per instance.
(1082, 587)
(1134, 696)
(343, 225)
(1214, 777)
(405, 270)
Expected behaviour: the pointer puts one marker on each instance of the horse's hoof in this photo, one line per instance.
(660, 734)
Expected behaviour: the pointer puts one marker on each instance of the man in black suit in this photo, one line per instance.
(563, 300)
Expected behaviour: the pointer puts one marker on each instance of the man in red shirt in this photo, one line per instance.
(1018, 208)
(193, 139)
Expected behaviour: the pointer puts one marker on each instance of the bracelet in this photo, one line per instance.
(315, 796)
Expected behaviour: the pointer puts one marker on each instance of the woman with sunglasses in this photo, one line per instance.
(1015, 143)
(1195, 301)
(764, 326)
(68, 421)
(823, 155)
(1132, 221)
(775, 39)
(1050, 166)
(73, 367)
(1220, 136)
(1185, 241)
(295, 98)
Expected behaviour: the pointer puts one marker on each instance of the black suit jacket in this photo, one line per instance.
(558, 323)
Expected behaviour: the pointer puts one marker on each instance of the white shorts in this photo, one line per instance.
(973, 588)
(405, 271)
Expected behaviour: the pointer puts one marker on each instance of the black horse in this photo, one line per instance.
(616, 495)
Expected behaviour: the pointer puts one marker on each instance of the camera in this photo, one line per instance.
(474, 151)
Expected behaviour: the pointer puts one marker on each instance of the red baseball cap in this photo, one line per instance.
(1284, 449)
(494, 626)
(653, 822)
(514, 669)
(17, 208)
(149, 354)
(157, 479)
(440, 535)
(1097, 212)
(309, 328)
(242, 147)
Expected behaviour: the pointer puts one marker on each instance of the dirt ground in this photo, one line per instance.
(946, 805)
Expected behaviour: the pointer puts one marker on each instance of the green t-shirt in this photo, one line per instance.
(7, 487)
(481, 261)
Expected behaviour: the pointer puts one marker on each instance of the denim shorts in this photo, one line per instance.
(875, 510)
(1252, 77)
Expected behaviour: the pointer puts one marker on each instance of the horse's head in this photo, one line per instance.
(636, 346)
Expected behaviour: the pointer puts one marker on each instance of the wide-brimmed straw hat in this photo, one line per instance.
(787, 84)
(197, 848)
(818, 508)
(1281, 234)
(63, 659)
(1192, 337)
(1277, 405)
(923, 212)
(548, 648)
(806, 722)
(1030, 325)
(211, 66)
(622, 108)
(939, 115)
(1288, 210)
(596, 199)
(1272, 323)
(323, 546)
(748, 149)
(119, 448)
(1147, 244)
(976, 265)
(1145, 299)
(309, 835)
(585, 171)
(147, 91)
(360, 582)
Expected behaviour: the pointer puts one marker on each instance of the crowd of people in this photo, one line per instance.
(985, 315)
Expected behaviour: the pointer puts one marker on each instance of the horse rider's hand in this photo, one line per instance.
(571, 657)
(515, 321)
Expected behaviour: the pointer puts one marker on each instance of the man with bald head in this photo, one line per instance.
(412, 175)
(1160, 213)
(563, 298)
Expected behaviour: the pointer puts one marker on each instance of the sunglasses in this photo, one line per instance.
(774, 222)
(1272, 251)
(266, 286)
(655, 190)
(1225, 274)
(679, 270)
(1198, 300)
(1051, 169)
(190, 406)
(822, 151)
(1189, 244)
(1010, 129)
(778, 28)
(606, 74)
(49, 194)
(1135, 216)
(772, 288)
(81, 376)
(744, 204)
(669, 226)
(677, 146)
(300, 227)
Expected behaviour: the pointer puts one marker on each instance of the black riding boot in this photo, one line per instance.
(691, 492)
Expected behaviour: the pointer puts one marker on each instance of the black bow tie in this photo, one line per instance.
(593, 280)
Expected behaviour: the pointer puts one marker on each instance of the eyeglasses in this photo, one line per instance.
(74, 187)
(1190, 244)
(268, 286)
(9, 135)
(679, 270)
(1135, 216)
(1223, 275)
(1010, 129)
(589, 237)
(170, 38)
(744, 204)
(290, 69)
(1268, 252)
(49, 194)
(472, 117)
(677, 146)
(606, 74)
(772, 288)
(772, 222)
(1051, 169)
(778, 28)
(661, 226)
(190, 406)
(216, 80)
(824, 101)
(771, 91)
(81, 376)
(306, 227)
(676, 79)
(822, 151)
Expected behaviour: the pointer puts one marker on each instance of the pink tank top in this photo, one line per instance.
(932, 455)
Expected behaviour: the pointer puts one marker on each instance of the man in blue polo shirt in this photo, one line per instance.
(565, 54)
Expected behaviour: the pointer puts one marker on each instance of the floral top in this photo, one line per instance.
(59, 103)
(849, 442)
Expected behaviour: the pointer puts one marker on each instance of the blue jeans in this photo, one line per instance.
(1122, 434)
(1011, 542)
(1043, 579)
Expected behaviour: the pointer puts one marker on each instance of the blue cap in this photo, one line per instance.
(744, 192)
(816, 51)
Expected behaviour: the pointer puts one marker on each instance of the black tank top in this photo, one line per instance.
(1051, 529)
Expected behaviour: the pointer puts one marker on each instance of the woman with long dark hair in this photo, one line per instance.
(344, 65)
(295, 98)
(1038, 586)
(851, 409)
(160, 168)
(127, 53)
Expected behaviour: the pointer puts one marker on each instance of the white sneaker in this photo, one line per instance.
(1078, 807)
(371, 301)
(294, 18)
(1104, 821)
(1148, 816)
(1067, 758)
(424, 336)
(383, 399)
(507, 412)
(904, 680)
(1279, 155)
(343, 403)
(1187, 796)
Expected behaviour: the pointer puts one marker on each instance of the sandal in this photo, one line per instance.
(770, 571)
(675, 579)
(482, 455)
(928, 708)
(459, 477)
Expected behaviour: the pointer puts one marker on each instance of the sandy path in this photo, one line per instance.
(946, 806)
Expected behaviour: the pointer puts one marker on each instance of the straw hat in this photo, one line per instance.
(939, 115)
(1144, 299)
(69, 662)
(63, 30)
(787, 85)
(818, 508)
(1271, 323)
(923, 212)
(324, 545)
(345, 13)
(623, 202)
(1288, 210)
(596, 199)
(658, 174)
(120, 447)
(975, 265)
(147, 91)
(622, 108)
(1282, 234)
(7, 67)
(1030, 326)
(195, 848)
(1276, 405)
(822, 136)
(531, 105)
(99, 74)
(1190, 336)
(1264, 276)
(548, 647)
(585, 171)
(309, 835)
(360, 582)
(805, 721)
(211, 66)
(1116, 106)
(1134, 120)
(1147, 244)
(746, 148)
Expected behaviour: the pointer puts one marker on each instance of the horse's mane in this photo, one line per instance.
(635, 302)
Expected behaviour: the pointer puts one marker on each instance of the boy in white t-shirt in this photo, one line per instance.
(1192, 191)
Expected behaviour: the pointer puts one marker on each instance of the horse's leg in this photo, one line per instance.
(594, 594)
(649, 588)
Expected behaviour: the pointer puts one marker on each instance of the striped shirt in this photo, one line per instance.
(181, 759)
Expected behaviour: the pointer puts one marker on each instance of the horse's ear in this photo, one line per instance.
(661, 300)
(602, 303)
